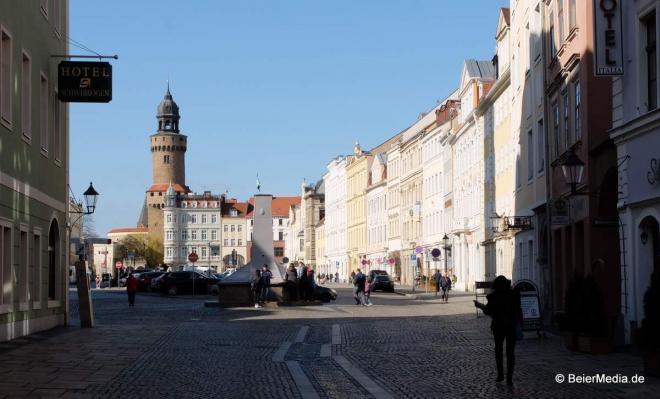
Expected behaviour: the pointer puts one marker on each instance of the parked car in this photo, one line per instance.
(182, 283)
(324, 294)
(144, 280)
(382, 282)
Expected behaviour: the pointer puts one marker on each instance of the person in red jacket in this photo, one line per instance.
(131, 288)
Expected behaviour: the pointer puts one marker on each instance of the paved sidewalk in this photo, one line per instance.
(401, 348)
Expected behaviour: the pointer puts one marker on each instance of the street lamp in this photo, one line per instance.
(412, 266)
(572, 168)
(446, 247)
(91, 196)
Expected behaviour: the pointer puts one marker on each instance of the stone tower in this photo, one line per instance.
(168, 162)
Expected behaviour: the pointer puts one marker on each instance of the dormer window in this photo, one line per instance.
(233, 212)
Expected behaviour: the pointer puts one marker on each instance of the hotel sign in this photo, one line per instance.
(84, 82)
(608, 37)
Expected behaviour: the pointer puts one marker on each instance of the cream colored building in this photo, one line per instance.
(411, 189)
(336, 239)
(393, 204)
(234, 233)
(377, 214)
(468, 175)
(322, 265)
(356, 184)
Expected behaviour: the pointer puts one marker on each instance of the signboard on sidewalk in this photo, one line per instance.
(530, 305)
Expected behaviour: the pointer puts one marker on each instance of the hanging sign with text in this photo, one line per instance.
(84, 82)
(608, 38)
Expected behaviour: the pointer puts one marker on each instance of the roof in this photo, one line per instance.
(506, 14)
(241, 207)
(480, 69)
(162, 187)
(279, 206)
(129, 230)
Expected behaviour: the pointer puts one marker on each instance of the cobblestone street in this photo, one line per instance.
(401, 347)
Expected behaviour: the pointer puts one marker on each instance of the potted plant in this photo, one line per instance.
(651, 327)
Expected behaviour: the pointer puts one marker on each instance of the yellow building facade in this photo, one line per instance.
(356, 223)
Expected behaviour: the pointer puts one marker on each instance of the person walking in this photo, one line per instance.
(255, 287)
(445, 284)
(302, 283)
(504, 308)
(358, 287)
(368, 286)
(131, 289)
(353, 277)
(336, 277)
(311, 284)
(266, 275)
(437, 278)
(291, 283)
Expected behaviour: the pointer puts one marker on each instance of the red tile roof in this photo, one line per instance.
(129, 230)
(241, 207)
(162, 187)
(280, 205)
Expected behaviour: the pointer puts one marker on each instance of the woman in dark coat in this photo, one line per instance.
(255, 287)
(291, 279)
(504, 307)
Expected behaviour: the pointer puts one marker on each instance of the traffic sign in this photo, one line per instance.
(413, 257)
(419, 250)
(118, 264)
(193, 257)
(435, 253)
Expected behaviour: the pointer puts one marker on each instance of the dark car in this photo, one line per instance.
(182, 283)
(144, 280)
(324, 294)
(382, 282)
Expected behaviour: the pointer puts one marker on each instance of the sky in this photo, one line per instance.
(274, 88)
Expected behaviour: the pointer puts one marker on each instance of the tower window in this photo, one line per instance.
(166, 159)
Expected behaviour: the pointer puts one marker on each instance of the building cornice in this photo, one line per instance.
(636, 127)
(496, 90)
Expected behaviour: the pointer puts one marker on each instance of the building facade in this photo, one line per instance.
(34, 164)
(336, 217)
(312, 210)
(192, 224)
(356, 226)
(636, 133)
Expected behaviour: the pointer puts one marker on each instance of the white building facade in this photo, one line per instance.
(377, 215)
(335, 217)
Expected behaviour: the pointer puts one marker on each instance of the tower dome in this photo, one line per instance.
(168, 114)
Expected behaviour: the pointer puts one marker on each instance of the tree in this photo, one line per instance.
(146, 247)
(89, 230)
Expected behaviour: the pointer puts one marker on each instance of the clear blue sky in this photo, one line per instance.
(274, 87)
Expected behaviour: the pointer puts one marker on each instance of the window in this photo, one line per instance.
(567, 131)
(551, 36)
(240, 242)
(5, 78)
(193, 218)
(203, 219)
(170, 252)
(204, 234)
(193, 234)
(23, 256)
(214, 234)
(170, 235)
(214, 218)
(651, 63)
(226, 228)
(43, 112)
(572, 19)
(233, 242)
(26, 96)
(555, 126)
(35, 269)
(281, 236)
(57, 16)
(540, 140)
(169, 218)
(203, 252)
(578, 119)
(233, 228)
(302, 244)
(166, 159)
(530, 155)
(560, 18)
(57, 128)
(279, 251)
(184, 234)
(5, 263)
(279, 222)
(193, 250)
(226, 242)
